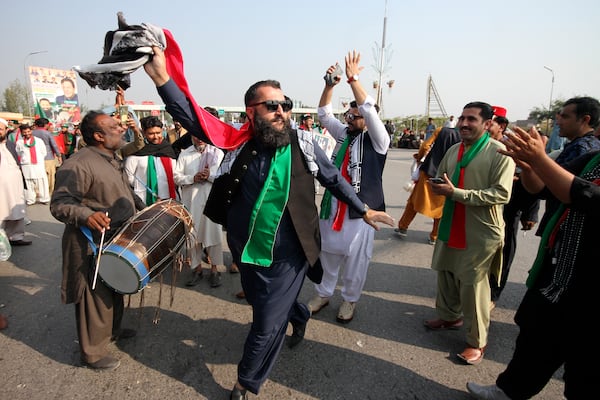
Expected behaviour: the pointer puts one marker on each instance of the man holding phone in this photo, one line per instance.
(477, 184)
(437, 180)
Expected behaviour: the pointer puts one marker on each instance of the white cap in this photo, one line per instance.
(3, 121)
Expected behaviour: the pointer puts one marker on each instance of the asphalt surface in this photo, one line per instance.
(193, 349)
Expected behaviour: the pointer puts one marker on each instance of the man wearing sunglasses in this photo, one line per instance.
(271, 219)
(363, 142)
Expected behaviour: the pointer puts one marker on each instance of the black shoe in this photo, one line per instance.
(107, 363)
(21, 242)
(124, 333)
(195, 279)
(297, 335)
(215, 279)
(237, 394)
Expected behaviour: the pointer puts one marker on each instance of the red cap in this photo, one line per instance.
(499, 111)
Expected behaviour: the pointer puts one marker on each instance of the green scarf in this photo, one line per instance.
(268, 210)
(452, 227)
(553, 223)
(152, 188)
(339, 159)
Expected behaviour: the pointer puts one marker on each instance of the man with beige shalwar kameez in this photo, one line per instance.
(477, 183)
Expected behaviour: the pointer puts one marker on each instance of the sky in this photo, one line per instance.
(473, 50)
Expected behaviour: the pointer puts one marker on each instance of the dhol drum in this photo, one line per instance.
(145, 246)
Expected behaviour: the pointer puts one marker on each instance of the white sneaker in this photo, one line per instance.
(316, 303)
(491, 392)
(401, 232)
(346, 312)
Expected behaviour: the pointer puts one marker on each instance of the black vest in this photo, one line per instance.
(301, 203)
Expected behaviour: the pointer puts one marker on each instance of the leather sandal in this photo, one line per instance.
(472, 355)
(441, 325)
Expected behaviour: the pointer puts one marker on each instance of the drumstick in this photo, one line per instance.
(98, 258)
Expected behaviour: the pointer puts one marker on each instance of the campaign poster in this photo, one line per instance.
(54, 93)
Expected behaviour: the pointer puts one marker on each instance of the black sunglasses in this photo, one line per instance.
(351, 117)
(272, 105)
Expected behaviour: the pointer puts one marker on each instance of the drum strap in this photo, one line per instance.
(88, 234)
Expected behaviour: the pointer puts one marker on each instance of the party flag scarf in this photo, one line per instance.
(341, 162)
(452, 226)
(32, 151)
(152, 179)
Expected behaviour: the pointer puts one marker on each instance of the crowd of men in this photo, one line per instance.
(238, 179)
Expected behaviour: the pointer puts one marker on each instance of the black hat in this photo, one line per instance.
(306, 116)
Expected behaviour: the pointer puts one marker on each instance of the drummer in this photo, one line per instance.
(92, 194)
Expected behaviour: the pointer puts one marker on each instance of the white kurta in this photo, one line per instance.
(12, 198)
(136, 168)
(36, 179)
(194, 195)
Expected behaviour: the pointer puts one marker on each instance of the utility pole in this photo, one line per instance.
(381, 67)
(381, 60)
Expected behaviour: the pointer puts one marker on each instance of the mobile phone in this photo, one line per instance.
(330, 79)
(437, 180)
(123, 113)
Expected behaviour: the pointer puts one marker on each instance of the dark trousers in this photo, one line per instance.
(272, 292)
(511, 230)
(552, 335)
(522, 206)
(98, 316)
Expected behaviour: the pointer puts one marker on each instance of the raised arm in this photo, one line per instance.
(156, 68)
(353, 70)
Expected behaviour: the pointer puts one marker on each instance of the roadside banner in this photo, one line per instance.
(54, 93)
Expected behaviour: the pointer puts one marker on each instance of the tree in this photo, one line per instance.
(14, 98)
(540, 114)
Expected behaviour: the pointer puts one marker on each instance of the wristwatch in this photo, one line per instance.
(353, 78)
(365, 209)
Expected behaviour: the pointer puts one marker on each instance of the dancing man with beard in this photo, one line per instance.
(360, 154)
(271, 220)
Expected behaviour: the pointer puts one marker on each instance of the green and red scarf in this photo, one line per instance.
(151, 178)
(30, 144)
(341, 162)
(452, 226)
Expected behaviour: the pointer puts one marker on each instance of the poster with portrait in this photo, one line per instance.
(54, 93)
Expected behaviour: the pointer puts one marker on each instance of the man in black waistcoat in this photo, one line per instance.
(265, 200)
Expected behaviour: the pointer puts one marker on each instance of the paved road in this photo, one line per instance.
(192, 353)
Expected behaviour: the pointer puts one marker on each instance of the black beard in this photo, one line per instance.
(270, 137)
(352, 131)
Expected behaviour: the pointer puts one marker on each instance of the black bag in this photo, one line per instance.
(224, 188)
(315, 273)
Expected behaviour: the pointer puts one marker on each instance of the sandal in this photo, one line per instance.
(472, 355)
